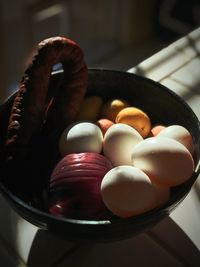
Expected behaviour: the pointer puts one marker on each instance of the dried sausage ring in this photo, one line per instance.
(28, 110)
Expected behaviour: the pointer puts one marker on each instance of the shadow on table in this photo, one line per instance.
(167, 243)
(166, 238)
(8, 236)
(174, 240)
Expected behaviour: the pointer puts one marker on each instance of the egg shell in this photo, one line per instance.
(127, 191)
(111, 108)
(119, 140)
(104, 125)
(90, 108)
(81, 137)
(136, 118)
(180, 134)
(166, 161)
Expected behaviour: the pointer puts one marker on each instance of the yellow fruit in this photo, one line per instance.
(90, 108)
(111, 108)
(136, 118)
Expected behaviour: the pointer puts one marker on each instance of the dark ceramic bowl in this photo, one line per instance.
(163, 107)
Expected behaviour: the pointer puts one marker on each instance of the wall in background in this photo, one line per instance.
(101, 28)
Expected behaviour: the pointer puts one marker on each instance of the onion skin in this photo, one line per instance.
(75, 186)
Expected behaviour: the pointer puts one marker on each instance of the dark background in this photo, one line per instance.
(116, 34)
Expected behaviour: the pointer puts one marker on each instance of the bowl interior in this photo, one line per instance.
(163, 107)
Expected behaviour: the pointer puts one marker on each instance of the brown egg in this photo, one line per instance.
(136, 118)
(111, 108)
(104, 124)
(90, 108)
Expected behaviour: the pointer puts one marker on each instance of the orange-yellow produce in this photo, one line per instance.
(136, 118)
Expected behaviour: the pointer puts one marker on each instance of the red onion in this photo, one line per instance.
(75, 186)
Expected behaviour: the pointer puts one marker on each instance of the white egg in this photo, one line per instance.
(81, 137)
(127, 191)
(119, 141)
(166, 161)
(180, 134)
